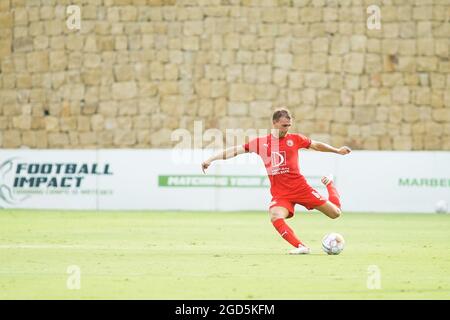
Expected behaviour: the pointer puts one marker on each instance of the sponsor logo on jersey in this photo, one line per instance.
(278, 158)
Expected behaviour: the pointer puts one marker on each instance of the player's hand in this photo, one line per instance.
(344, 150)
(205, 165)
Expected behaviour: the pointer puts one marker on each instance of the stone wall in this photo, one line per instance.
(138, 69)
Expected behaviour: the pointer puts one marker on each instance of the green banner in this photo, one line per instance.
(185, 181)
(222, 181)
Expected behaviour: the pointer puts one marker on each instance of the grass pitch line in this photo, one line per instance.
(62, 246)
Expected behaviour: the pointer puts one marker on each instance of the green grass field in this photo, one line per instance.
(228, 255)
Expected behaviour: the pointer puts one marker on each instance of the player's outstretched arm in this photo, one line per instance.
(223, 155)
(320, 146)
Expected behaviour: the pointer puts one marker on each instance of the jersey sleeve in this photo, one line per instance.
(252, 146)
(303, 141)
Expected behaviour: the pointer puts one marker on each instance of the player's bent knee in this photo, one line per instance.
(275, 215)
(336, 213)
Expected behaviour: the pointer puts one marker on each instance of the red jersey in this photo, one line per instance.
(280, 156)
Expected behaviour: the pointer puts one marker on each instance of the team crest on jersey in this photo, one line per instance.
(290, 143)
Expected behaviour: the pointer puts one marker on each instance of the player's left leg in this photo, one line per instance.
(278, 214)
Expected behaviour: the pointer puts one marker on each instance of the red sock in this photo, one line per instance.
(286, 232)
(333, 195)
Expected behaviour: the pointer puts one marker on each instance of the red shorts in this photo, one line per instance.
(309, 199)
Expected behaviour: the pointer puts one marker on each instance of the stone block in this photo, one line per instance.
(340, 45)
(237, 108)
(260, 109)
(441, 115)
(265, 92)
(328, 98)
(124, 90)
(83, 123)
(283, 60)
(191, 43)
(241, 92)
(309, 96)
(22, 44)
(302, 62)
(354, 63)
(425, 47)
(402, 143)
(68, 124)
(57, 139)
(358, 43)
(87, 138)
(161, 138)
(316, 80)
(426, 64)
(364, 115)
(442, 47)
(58, 61)
(22, 122)
(38, 61)
(421, 13)
(193, 28)
(11, 139)
(343, 114)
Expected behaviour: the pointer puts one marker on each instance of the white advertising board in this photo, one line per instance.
(162, 179)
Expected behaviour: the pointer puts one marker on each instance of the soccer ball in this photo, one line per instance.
(333, 243)
(441, 206)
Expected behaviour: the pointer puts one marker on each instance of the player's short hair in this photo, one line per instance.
(281, 113)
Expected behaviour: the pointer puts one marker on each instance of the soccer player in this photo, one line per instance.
(279, 151)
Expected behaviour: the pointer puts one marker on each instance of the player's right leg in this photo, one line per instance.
(278, 215)
(331, 208)
(333, 195)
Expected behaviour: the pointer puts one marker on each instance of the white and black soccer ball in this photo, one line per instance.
(333, 243)
(441, 206)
